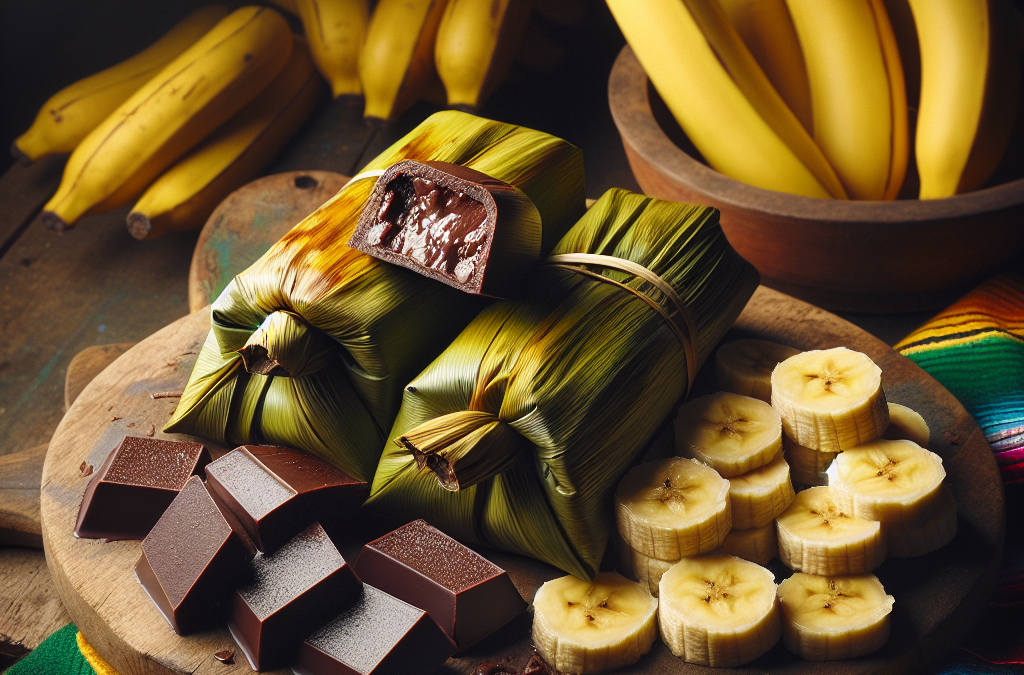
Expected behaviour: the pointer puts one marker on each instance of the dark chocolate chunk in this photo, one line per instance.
(273, 493)
(378, 635)
(453, 224)
(297, 588)
(467, 595)
(191, 560)
(135, 485)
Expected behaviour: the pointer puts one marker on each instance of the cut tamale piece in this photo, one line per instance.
(516, 436)
(310, 347)
(452, 224)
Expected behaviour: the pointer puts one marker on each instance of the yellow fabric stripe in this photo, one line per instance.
(95, 660)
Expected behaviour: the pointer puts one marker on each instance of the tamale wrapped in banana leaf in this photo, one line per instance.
(310, 347)
(516, 436)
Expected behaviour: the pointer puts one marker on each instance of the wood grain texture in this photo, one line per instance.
(248, 222)
(30, 608)
(86, 365)
(20, 475)
(857, 256)
(937, 596)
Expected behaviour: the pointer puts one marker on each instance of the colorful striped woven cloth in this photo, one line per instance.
(975, 348)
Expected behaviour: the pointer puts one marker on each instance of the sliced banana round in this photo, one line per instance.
(718, 610)
(807, 465)
(759, 496)
(816, 536)
(905, 424)
(672, 508)
(732, 434)
(745, 366)
(830, 399)
(590, 627)
(897, 483)
(758, 545)
(933, 535)
(834, 617)
(648, 570)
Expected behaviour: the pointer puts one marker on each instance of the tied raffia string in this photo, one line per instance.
(677, 314)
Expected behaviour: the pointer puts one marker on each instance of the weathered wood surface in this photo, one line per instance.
(248, 223)
(30, 608)
(937, 596)
(20, 474)
(87, 364)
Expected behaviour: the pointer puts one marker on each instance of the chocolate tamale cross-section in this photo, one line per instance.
(453, 224)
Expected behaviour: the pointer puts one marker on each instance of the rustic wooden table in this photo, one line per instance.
(95, 285)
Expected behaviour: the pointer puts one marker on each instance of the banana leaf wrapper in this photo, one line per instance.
(310, 347)
(516, 436)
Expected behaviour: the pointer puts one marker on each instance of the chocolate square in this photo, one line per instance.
(136, 483)
(273, 493)
(297, 588)
(467, 595)
(378, 635)
(453, 224)
(191, 560)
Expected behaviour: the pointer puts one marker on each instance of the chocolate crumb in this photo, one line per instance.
(152, 430)
(132, 424)
(114, 418)
(166, 394)
(85, 469)
(536, 666)
(225, 656)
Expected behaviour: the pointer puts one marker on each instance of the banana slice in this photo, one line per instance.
(905, 424)
(816, 536)
(718, 610)
(934, 534)
(807, 465)
(745, 367)
(758, 545)
(590, 627)
(830, 399)
(673, 508)
(648, 570)
(759, 496)
(732, 434)
(897, 483)
(826, 618)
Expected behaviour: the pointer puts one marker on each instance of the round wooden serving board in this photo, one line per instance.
(938, 596)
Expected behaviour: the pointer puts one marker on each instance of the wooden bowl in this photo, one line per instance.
(857, 256)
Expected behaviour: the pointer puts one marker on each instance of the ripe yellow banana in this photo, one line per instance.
(715, 110)
(732, 434)
(336, 31)
(184, 196)
(857, 95)
(189, 98)
(476, 42)
(70, 114)
(397, 62)
(767, 30)
(970, 89)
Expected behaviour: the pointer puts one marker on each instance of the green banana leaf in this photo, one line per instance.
(516, 436)
(310, 347)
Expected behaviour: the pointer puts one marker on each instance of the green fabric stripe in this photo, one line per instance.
(57, 655)
(975, 372)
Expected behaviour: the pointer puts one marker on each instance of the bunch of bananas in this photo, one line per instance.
(396, 56)
(180, 125)
(811, 98)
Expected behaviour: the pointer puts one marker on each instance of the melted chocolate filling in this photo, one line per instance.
(440, 228)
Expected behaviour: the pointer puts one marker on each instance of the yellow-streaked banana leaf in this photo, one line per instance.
(311, 346)
(516, 436)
